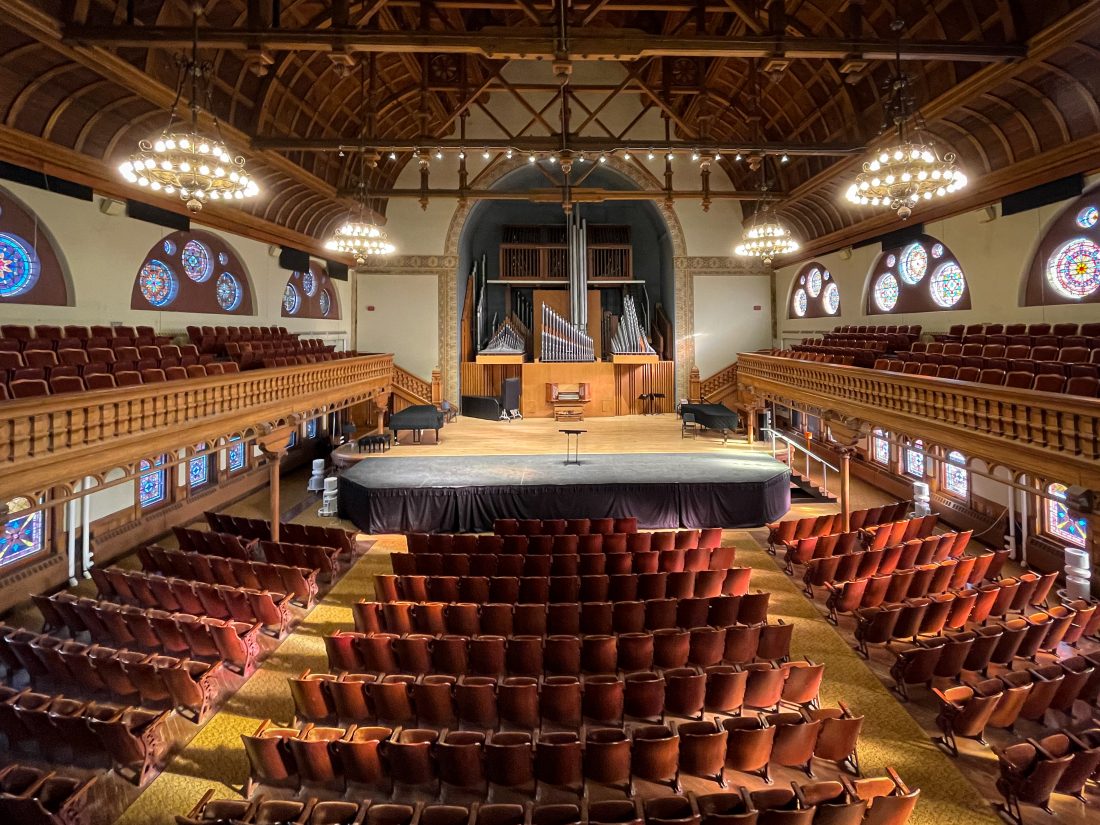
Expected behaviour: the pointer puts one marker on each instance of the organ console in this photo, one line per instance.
(568, 400)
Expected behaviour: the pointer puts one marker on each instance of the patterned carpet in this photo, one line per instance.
(214, 758)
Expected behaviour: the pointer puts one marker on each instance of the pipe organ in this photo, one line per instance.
(562, 341)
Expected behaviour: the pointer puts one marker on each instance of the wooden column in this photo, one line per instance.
(275, 480)
(845, 485)
(695, 393)
(273, 443)
(847, 432)
(437, 387)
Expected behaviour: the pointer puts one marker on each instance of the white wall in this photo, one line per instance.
(995, 257)
(103, 253)
(404, 320)
(726, 318)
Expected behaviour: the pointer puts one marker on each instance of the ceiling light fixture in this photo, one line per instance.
(182, 159)
(766, 236)
(910, 170)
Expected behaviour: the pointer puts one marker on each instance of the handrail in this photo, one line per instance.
(797, 446)
(1047, 435)
(52, 440)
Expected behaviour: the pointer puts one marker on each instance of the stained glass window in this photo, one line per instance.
(223, 259)
(1087, 217)
(1074, 270)
(24, 535)
(309, 283)
(914, 263)
(229, 292)
(293, 440)
(153, 486)
(325, 302)
(1059, 521)
(831, 298)
(291, 299)
(937, 250)
(158, 283)
(886, 292)
(198, 469)
(19, 266)
(914, 459)
(169, 247)
(236, 457)
(956, 479)
(198, 264)
(881, 448)
(800, 302)
(891, 260)
(813, 285)
(947, 284)
(311, 428)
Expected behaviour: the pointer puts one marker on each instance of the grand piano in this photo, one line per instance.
(417, 418)
(716, 417)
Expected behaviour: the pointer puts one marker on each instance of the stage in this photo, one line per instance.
(453, 494)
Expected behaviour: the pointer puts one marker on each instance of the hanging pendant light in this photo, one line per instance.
(182, 160)
(766, 237)
(910, 170)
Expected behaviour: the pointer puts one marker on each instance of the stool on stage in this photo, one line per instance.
(374, 443)
(573, 445)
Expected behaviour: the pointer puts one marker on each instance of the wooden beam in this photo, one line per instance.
(589, 195)
(547, 143)
(517, 43)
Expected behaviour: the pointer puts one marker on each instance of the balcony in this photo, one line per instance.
(1047, 435)
(45, 442)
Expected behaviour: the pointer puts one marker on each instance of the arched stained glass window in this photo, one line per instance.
(1087, 217)
(881, 448)
(1074, 270)
(198, 263)
(914, 459)
(800, 303)
(886, 292)
(152, 486)
(914, 263)
(1060, 523)
(947, 285)
(19, 266)
(1066, 266)
(311, 294)
(159, 284)
(814, 294)
(23, 535)
(229, 292)
(198, 469)
(30, 267)
(831, 298)
(956, 479)
(235, 455)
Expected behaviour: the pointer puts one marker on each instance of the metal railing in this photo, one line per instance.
(790, 442)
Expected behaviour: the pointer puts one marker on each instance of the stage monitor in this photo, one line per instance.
(509, 392)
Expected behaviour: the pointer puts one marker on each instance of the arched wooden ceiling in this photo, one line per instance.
(99, 100)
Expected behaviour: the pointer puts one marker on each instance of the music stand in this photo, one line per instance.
(572, 445)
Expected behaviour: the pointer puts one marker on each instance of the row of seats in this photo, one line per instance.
(837, 570)
(887, 534)
(484, 564)
(909, 329)
(546, 589)
(566, 542)
(873, 801)
(889, 588)
(173, 633)
(150, 590)
(910, 553)
(43, 797)
(334, 757)
(47, 336)
(131, 740)
(790, 530)
(348, 543)
(526, 702)
(507, 619)
(1086, 386)
(1068, 361)
(1034, 770)
(129, 676)
(299, 582)
(525, 655)
(58, 384)
(554, 526)
(838, 355)
(982, 333)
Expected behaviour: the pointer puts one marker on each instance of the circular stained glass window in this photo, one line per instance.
(229, 292)
(198, 264)
(947, 284)
(19, 266)
(326, 302)
(1087, 217)
(914, 263)
(813, 285)
(800, 302)
(937, 250)
(831, 298)
(309, 284)
(1074, 270)
(158, 283)
(291, 299)
(886, 292)
(891, 260)
(223, 259)
(169, 247)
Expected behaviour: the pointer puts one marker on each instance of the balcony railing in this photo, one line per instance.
(1051, 436)
(48, 441)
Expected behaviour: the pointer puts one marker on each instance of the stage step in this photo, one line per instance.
(803, 490)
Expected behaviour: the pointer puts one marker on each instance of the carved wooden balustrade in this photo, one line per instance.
(48, 441)
(1051, 436)
(723, 380)
(412, 385)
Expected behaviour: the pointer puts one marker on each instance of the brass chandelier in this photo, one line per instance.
(184, 161)
(766, 236)
(911, 170)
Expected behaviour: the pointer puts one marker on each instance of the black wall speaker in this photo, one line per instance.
(1050, 192)
(293, 259)
(336, 270)
(153, 214)
(40, 180)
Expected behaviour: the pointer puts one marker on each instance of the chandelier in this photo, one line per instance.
(911, 170)
(766, 235)
(184, 161)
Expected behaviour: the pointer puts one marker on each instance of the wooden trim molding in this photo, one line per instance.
(1038, 433)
